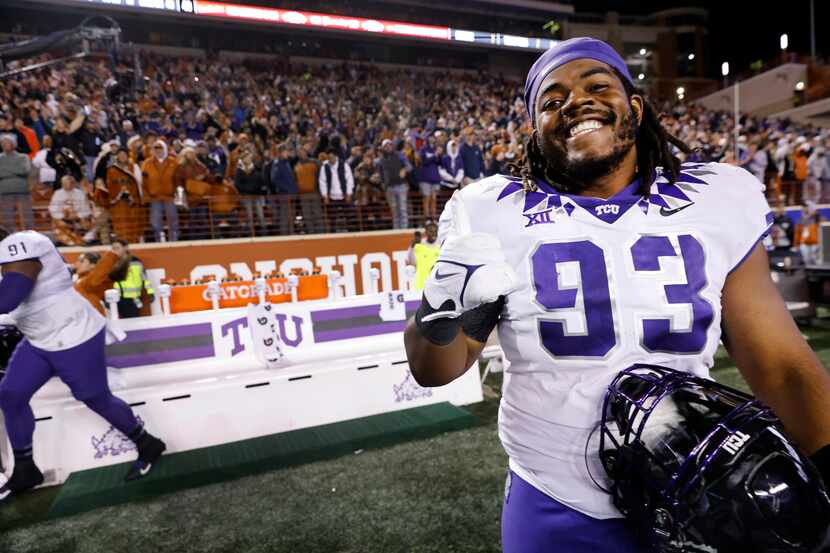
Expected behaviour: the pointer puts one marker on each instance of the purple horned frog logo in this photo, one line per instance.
(113, 442)
(409, 390)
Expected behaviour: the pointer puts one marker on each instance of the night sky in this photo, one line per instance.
(740, 31)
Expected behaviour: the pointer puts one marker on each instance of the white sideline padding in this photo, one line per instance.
(493, 356)
(332, 374)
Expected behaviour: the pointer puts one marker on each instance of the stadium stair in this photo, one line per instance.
(91, 489)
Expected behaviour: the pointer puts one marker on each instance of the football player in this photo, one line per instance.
(602, 250)
(64, 337)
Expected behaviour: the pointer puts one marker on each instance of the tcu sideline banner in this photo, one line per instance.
(352, 254)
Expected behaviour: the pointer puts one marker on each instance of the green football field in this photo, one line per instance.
(437, 495)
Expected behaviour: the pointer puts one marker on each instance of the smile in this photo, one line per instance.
(585, 127)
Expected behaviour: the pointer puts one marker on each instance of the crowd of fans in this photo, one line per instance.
(208, 148)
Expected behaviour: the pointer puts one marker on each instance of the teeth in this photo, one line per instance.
(585, 126)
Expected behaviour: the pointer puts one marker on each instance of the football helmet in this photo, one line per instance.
(700, 467)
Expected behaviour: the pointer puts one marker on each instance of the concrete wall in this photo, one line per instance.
(816, 113)
(626, 33)
(762, 94)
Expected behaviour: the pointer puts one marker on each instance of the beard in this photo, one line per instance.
(578, 174)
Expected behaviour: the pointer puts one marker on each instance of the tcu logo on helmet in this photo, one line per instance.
(725, 485)
(613, 209)
(735, 442)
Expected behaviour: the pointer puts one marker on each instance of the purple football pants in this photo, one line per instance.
(533, 522)
(82, 368)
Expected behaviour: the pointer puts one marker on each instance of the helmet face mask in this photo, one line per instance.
(698, 466)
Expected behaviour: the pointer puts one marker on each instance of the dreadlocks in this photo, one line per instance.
(3, 232)
(653, 150)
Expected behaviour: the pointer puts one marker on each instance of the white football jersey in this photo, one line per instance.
(54, 317)
(605, 284)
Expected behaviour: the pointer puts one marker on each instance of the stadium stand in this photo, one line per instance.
(250, 137)
(198, 131)
(249, 142)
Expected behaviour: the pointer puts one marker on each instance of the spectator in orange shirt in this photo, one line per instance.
(145, 151)
(93, 272)
(135, 148)
(30, 137)
(306, 170)
(800, 170)
(806, 234)
(157, 174)
(194, 178)
(122, 197)
(243, 146)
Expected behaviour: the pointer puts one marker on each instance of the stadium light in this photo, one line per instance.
(785, 41)
(641, 76)
(464, 36)
(225, 10)
(724, 68)
(799, 85)
(691, 57)
(643, 51)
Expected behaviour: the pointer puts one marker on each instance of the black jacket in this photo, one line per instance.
(250, 184)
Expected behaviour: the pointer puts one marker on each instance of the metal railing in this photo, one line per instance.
(215, 217)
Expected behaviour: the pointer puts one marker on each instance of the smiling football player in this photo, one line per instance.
(601, 251)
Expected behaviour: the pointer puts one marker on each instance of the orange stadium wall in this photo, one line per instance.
(352, 254)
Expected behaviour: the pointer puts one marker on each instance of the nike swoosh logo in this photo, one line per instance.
(146, 469)
(439, 276)
(667, 212)
(5, 494)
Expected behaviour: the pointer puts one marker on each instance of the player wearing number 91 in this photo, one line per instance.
(64, 337)
(601, 251)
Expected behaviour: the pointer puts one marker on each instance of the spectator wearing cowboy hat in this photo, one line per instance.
(157, 181)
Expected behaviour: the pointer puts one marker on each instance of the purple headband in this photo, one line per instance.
(564, 52)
